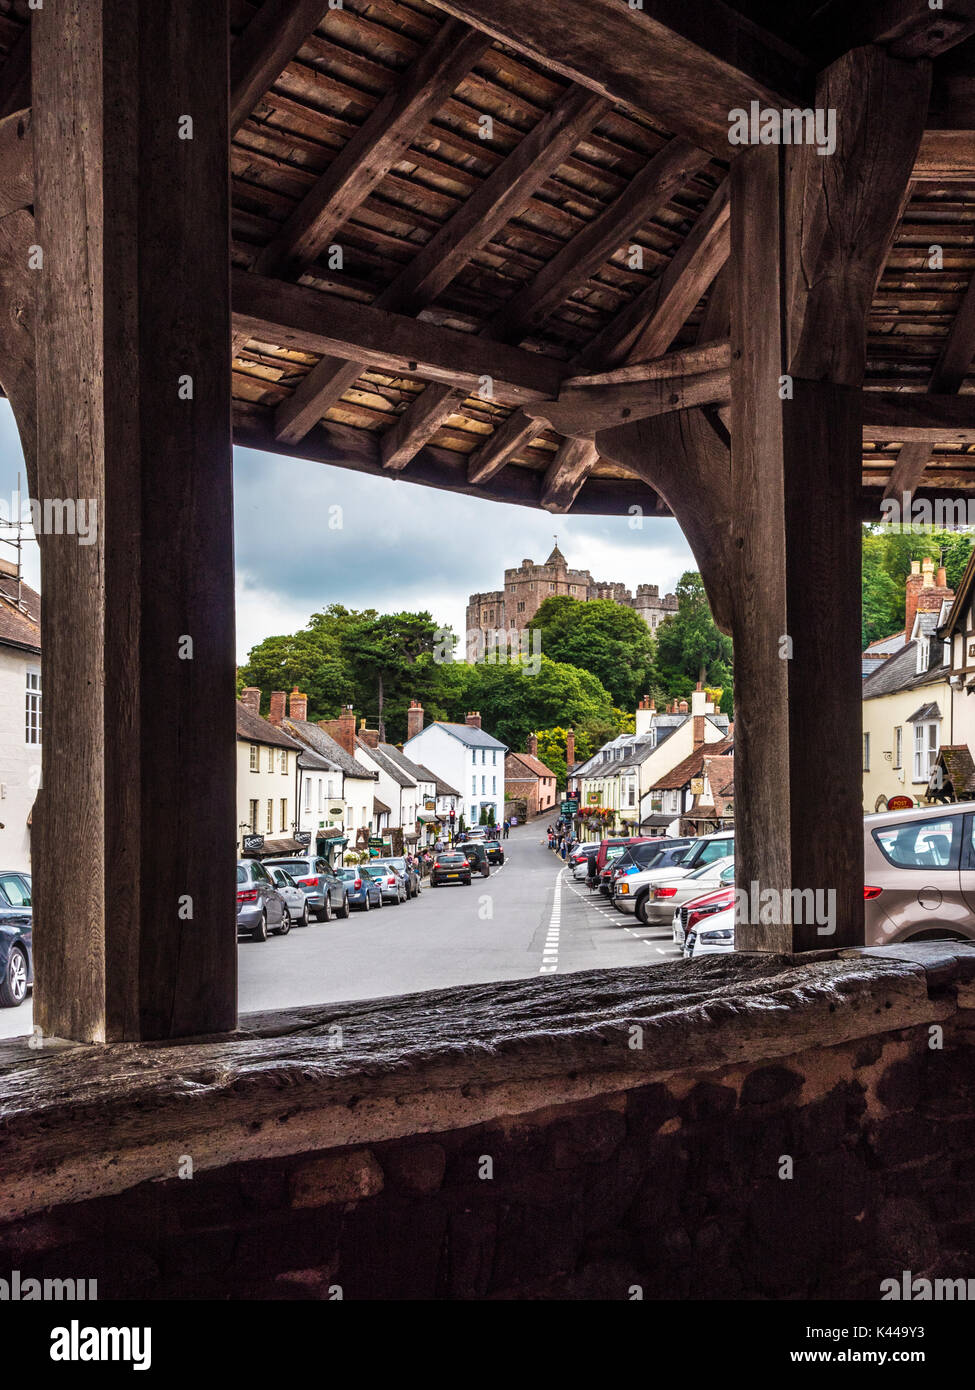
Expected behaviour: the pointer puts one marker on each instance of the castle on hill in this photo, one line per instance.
(529, 585)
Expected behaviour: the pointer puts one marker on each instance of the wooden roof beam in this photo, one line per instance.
(382, 139)
(305, 319)
(906, 28)
(655, 184)
(912, 417)
(265, 48)
(499, 198)
(946, 379)
(650, 59)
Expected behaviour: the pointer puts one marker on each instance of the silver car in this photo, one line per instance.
(669, 893)
(260, 907)
(295, 897)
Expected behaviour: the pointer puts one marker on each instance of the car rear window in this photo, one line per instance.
(921, 844)
(292, 866)
(450, 858)
(241, 874)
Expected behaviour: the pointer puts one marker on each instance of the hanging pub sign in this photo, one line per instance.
(697, 786)
(253, 844)
(303, 837)
(429, 805)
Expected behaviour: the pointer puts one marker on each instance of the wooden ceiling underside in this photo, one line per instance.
(501, 217)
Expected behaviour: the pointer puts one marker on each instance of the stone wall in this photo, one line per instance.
(678, 1187)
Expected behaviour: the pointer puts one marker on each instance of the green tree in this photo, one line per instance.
(604, 638)
(514, 700)
(690, 647)
(308, 660)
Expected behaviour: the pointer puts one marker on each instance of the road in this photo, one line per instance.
(528, 918)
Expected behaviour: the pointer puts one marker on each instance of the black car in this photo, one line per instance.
(477, 855)
(450, 867)
(645, 854)
(16, 948)
(494, 852)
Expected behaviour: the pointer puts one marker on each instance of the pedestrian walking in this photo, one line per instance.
(506, 827)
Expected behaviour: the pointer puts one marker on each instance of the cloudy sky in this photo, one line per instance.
(398, 545)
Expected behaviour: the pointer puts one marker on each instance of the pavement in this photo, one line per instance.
(528, 918)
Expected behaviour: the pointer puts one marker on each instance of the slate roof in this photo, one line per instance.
(899, 672)
(389, 765)
(254, 728)
(929, 711)
(396, 755)
(443, 788)
(315, 738)
(19, 627)
(474, 738)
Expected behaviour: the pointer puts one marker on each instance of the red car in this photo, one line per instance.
(688, 915)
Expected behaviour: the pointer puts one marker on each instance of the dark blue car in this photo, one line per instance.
(16, 955)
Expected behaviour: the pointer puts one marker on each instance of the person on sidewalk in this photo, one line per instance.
(506, 827)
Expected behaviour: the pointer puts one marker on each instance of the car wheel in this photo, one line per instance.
(305, 917)
(366, 901)
(937, 934)
(345, 906)
(641, 908)
(260, 932)
(285, 925)
(326, 913)
(379, 901)
(13, 986)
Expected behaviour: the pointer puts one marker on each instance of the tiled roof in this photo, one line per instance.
(315, 738)
(691, 766)
(254, 728)
(959, 766)
(534, 766)
(474, 738)
(19, 626)
(389, 765)
(413, 770)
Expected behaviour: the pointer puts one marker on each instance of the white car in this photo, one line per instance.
(294, 897)
(669, 893)
(631, 892)
(712, 936)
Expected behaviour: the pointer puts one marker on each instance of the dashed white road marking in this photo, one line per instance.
(550, 951)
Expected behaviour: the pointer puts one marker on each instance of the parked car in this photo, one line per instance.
(668, 893)
(362, 890)
(410, 877)
(324, 889)
(919, 874)
(652, 854)
(631, 892)
(494, 851)
(712, 936)
(16, 939)
(580, 856)
(477, 856)
(295, 898)
(260, 907)
(450, 867)
(689, 913)
(391, 883)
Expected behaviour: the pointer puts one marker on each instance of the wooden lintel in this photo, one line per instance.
(297, 316)
(581, 412)
(566, 474)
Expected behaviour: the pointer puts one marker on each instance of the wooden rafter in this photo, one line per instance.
(905, 28)
(913, 417)
(265, 48)
(382, 140)
(654, 186)
(946, 379)
(489, 207)
(15, 76)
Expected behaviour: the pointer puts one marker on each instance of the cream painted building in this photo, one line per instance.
(20, 717)
(267, 772)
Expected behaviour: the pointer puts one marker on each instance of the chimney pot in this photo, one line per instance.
(682, 708)
(473, 720)
(250, 698)
(533, 745)
(297, 705)
(414, 719)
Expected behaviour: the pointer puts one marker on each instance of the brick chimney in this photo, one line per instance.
(912, 588)
(297, 705)
(250, 698)
(414, 719)
(934, 589)
(698, 704)
(533, 745)
(570, 747)
(276, 712)
(342, 729)
(370, 737)
(473, 720)
(683, 707)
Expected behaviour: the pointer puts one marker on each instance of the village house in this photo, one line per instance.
(695, 797)
(398, 787)
(267, 771)
(342, 795)
(958, 634)
(447, 803)
(464, 756)
(528, 780)
(614, 783)
(20, 714)
(908, 709)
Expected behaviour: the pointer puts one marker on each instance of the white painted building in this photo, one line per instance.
(20, 717)
(465, 757)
